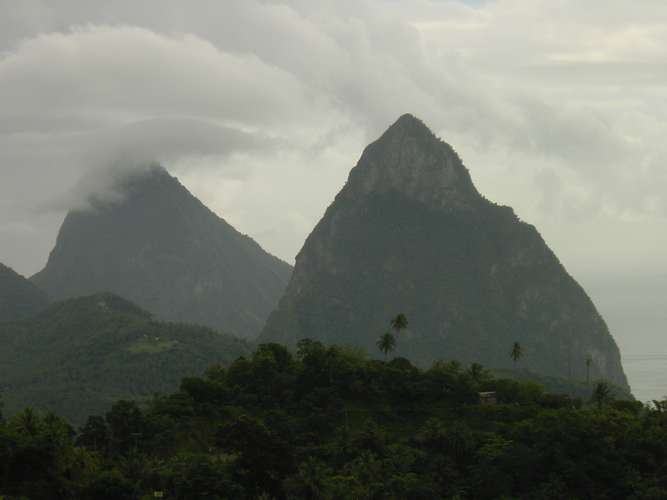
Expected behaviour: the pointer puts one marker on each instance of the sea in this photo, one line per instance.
(647, 375)
(632, 302)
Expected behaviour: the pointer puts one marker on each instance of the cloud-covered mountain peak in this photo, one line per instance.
(161, 247)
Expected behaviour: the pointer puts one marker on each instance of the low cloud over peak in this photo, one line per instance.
(553, 105)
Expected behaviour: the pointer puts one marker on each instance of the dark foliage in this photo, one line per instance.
(327, 423)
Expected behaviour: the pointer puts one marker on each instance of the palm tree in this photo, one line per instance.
(589, 362)
(386, 343)
(399, 322)
(516, 353)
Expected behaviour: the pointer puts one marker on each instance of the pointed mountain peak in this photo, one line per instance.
(409, 125)
(410, 160)
(409, 232)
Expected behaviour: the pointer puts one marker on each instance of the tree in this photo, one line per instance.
(311, 481)
(94, 434)
(27, 422)
(109, 486)
(477, 373)
(126, 426)
(264, 458)
(660, 406)
(399, 322)
(589, 362)
(195, 475)
(386, 343)
(516, 353)
(602, 394)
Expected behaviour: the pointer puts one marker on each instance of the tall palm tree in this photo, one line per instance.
(589, 362)
(399, 322)
(386, 343)
(516, 353)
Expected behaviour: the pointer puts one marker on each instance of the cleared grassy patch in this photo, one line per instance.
(151, 346)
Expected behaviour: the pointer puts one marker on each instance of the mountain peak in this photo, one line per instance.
(159, 246)
(153, 171)
(409, 125)
(409, 232)
(139, 178)
(113, 186)
(410, 160)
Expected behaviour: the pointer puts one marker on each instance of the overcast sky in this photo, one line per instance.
(557, 107)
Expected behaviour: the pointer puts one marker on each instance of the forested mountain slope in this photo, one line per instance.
(80, 355)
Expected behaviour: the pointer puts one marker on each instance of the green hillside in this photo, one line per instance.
(80, 355)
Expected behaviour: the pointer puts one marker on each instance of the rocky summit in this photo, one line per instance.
(410, 233)
(157, 245)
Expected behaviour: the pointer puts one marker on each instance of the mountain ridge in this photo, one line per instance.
(19, 298)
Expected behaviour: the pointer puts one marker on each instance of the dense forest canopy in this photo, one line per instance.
(327, 422)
